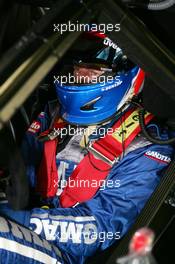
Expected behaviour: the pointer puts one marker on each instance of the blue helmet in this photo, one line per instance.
(97, 101)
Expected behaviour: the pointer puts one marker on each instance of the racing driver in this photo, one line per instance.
(90, 168)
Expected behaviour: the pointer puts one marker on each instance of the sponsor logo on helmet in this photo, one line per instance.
(117, 83)
(110, 43)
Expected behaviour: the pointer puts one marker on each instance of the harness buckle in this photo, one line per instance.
(101, 156)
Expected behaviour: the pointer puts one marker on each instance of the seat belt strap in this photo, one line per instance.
(47, 174)
(92, 171)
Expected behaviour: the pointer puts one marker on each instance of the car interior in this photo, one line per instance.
(32, 53)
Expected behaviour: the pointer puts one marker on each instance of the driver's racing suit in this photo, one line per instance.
(75, 233)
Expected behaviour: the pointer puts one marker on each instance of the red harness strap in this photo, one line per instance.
(47, 175)
(91, 172)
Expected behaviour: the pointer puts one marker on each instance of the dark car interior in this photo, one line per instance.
(31, 54)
